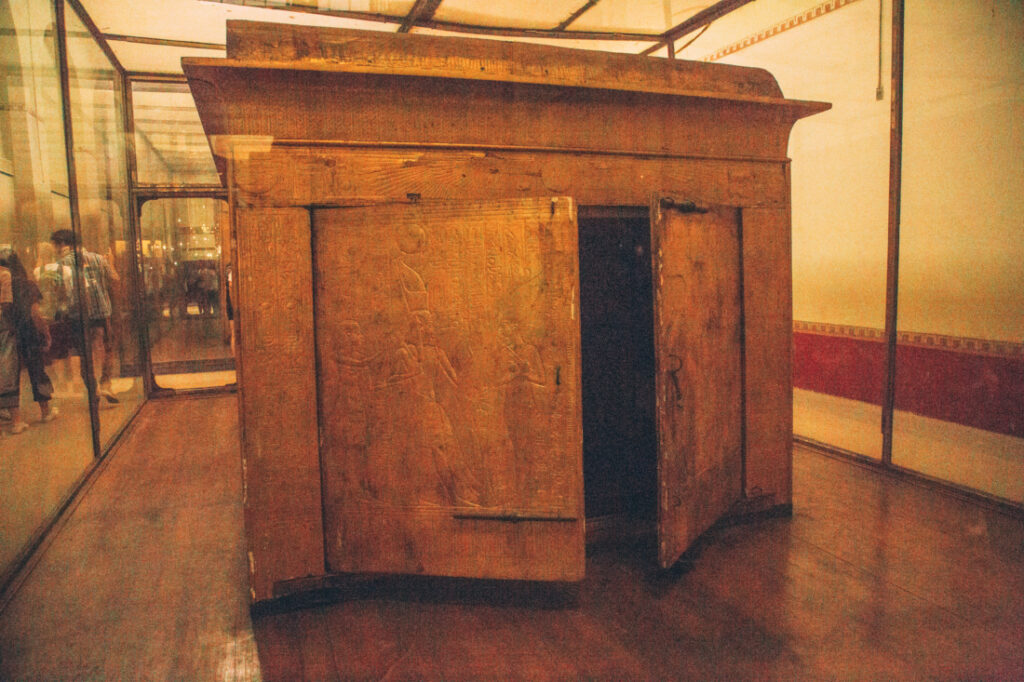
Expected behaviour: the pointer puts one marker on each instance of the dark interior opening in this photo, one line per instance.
(617, 330)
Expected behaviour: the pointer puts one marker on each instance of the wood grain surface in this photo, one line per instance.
(299, 175)
(283, 516)
(244, 102)
(875, 578)
(480, 58)
(449, 388)
(768, 333)
(336, 123)
(698, 336)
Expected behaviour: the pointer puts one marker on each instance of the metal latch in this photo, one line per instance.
(681, 206)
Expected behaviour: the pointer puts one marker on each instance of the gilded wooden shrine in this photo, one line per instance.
(490, 290)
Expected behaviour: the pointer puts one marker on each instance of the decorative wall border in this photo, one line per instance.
(956, 344)
(794, 21)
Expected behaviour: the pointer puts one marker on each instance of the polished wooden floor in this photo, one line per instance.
(872, 578)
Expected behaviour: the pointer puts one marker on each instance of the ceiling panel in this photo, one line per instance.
(741, 22)
(510, 13)
(156, 58)
(170, 142)
(632, 16)
(203, 21)
(393, 7)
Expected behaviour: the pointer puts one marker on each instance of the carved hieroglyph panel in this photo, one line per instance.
(448, 354)
(699, 381)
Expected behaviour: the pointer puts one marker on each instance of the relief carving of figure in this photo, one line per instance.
(525, 404)
(352, 430)
(430, 384)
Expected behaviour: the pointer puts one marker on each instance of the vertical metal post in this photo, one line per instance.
(137, 280)
(880, 89)
(895, 184)
(76, 227)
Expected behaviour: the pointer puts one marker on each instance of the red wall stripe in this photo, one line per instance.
(983, 391)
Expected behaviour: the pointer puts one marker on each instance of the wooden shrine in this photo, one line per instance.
(489, 289)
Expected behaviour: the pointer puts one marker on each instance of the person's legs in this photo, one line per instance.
(58, 357)
(42, 387)
(10, 380)
(17, 423)
(13, 404)
(102, 337)
(65, 373)
(80, 345)
(9, 404)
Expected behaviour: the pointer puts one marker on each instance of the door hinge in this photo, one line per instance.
(681, 206)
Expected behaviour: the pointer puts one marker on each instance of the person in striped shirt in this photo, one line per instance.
(94, 279)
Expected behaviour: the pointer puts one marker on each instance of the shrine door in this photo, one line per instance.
(698, 341)
(448, 353)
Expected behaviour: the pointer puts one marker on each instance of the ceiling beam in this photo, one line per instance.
(87, 21)
(164, 42)
(455, 27)
(159, 77)
(540, 32)
(423, 10)
(576, 15)
(697, 21)
(289, 6)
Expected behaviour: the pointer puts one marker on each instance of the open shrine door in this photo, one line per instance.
(698, 342)
(448, 350)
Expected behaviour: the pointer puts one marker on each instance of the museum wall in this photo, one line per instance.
(961, 285)
(841, 157)
(963, 203)
(960, 360)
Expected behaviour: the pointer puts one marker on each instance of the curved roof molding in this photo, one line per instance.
(279, 46)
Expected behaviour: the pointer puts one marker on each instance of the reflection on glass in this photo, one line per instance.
(104, 257)
(960, 361)
(186, 275)
(45, 428)
(170, 144)
(840, 203)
